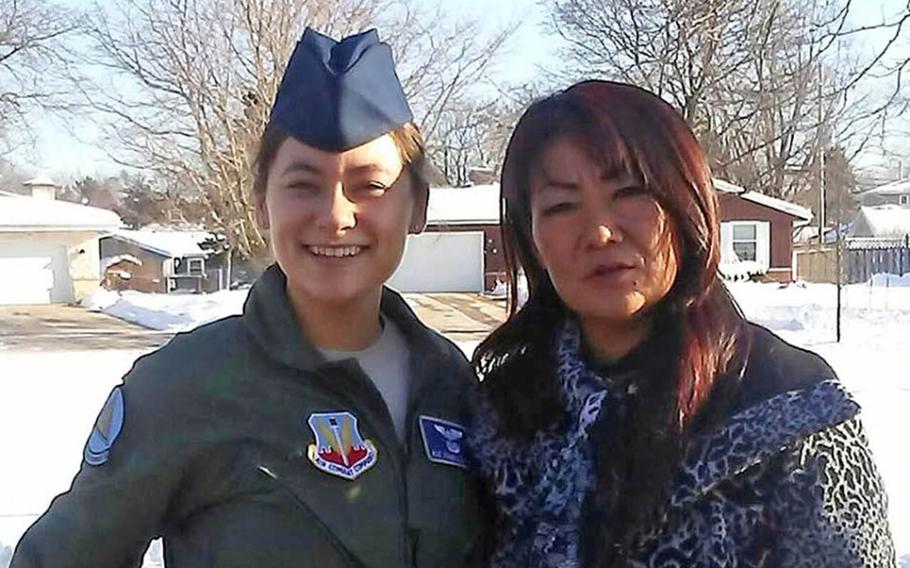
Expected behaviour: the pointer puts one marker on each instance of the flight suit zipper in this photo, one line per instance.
(378, 411)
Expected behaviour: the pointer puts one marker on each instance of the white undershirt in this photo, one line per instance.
(386, 363)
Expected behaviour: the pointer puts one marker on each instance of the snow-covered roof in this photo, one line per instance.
(894, 188)
(478, 204)
(172, 244)
(760, 198)
(884, 221)
(727, 187)
(774, 203)
(41, 180)
(26, 213)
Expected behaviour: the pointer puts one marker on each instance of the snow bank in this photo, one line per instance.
(741, 270)
(168, 312)
(891, 280)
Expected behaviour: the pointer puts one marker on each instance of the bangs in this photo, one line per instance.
(558, 117)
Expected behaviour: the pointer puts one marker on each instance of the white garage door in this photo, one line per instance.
(441, 262)
(33, 274)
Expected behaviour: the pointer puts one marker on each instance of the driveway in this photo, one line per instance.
(460, 317)
(69, 328)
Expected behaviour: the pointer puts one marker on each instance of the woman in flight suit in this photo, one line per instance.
(323, 426)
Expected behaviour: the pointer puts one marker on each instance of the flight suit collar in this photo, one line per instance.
(270, 318)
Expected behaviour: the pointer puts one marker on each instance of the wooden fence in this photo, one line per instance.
(862, 258)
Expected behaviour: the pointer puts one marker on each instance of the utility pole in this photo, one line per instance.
(823, 206)
(822, 201)
(839, 255)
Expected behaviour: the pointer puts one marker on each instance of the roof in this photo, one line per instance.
(793, 209)
(41, 180)
(170, 244)
(884, 221)
(894, 188)
(760, 198)
(26, 213)
(724, 186)
(478, 204)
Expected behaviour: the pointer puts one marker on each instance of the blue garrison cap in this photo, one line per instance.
(337, 95)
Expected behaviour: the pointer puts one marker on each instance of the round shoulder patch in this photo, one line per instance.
(106, 430)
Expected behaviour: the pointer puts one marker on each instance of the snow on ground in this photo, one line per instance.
(48, 401)
(872, 361)
(168, 312)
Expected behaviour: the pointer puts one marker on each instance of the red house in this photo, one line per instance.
(757, 233)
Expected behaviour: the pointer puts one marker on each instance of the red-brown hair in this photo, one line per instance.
(629, 130)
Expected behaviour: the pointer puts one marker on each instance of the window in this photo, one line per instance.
(195, 266)
(904, 200)
(745, 242)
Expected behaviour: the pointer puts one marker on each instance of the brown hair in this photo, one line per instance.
(698, 325)
(407, 139)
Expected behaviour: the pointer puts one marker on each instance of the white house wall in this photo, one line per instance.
(441, 262)
(75, 260)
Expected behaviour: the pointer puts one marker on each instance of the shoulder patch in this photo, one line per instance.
(443, 441)
(106, 430)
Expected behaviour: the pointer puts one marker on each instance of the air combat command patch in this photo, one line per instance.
(339, 449)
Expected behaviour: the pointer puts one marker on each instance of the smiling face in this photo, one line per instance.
(338, 221)
(606, 243)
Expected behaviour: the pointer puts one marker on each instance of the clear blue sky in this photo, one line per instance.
(63, 155)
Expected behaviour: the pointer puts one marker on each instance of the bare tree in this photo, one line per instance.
(188, 84)
(31, 34)
(474, 133)
(11, 177)
(764, 83)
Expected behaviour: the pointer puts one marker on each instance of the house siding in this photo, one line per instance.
(735, 208)
(146, 278)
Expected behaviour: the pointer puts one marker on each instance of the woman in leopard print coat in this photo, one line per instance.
(628, 414)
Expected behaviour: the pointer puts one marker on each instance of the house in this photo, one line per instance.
(161, 261)
(49, 248)
(894, 193)
(461, 248)
(891, 222)
(756, 232)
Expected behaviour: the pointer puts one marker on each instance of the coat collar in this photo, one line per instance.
(270, 318)
(757, 434)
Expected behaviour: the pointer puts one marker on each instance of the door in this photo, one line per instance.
(441, 262)
(34, 273)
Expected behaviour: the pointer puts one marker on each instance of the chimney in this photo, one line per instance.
(42, 187)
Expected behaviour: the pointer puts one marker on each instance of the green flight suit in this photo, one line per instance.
(212, 457)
